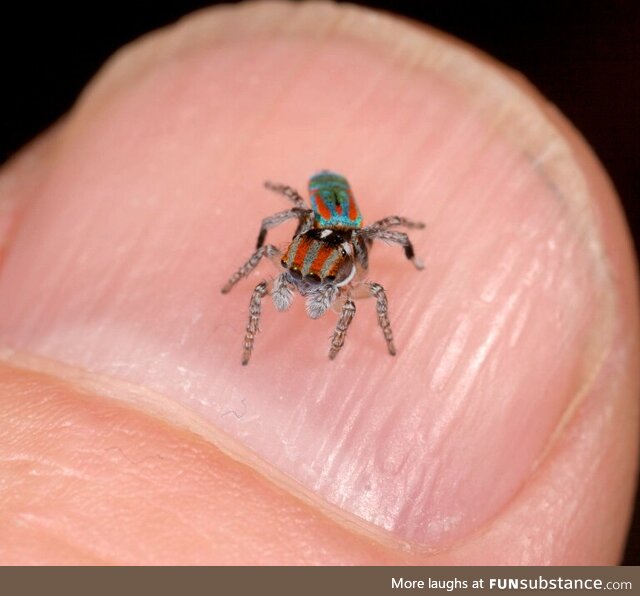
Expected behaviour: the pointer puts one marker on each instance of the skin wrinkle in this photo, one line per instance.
(432, 309)
(459, 327)
(133, 470)
(594, 373)
(347, 469)
(335, 439)
(73, 553)
(48, 467)
(325, 387)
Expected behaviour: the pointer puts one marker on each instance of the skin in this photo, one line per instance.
(503, 432)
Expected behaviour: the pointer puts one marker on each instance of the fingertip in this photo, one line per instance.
(500, 344)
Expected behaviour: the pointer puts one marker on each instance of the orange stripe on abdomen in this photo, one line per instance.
(301, 253)
(323, 210)
(353, 210)
(323, 254)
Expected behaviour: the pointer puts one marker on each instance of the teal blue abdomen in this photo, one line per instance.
(333, 202)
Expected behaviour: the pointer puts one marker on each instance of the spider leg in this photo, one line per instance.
(305, 216)
(306, 222)
(395, 237)
(396, 220)
(288, 192)
(382, 308)
(340, 332)
(255, 308)
(361, 250)
(269, 250)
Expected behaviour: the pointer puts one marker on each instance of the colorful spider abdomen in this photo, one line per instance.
(332, 202)
(319, 255)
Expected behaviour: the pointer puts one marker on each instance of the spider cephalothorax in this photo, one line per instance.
(326, 258)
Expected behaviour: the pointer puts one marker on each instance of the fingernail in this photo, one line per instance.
(154, 199)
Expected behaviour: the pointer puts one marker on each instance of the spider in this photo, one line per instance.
(326, 259)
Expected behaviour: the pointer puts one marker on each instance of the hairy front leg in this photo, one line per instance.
(291, 194)
(340, 332)
(268, 250)
(396, 238)
(253, 325)
(304, 216)
(397, 220)
(382, 308)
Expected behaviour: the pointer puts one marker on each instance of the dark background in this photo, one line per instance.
(584, 56)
